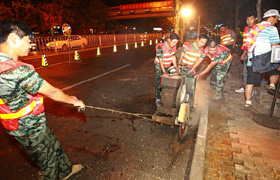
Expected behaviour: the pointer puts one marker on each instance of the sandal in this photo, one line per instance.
(248, 103)
(75, 169)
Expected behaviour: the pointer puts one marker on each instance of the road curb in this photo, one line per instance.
(197, 167)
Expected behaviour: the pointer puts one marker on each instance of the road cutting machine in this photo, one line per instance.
(177, 97)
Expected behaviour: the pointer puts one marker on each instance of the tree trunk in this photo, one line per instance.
(258, 7)
(236, 15)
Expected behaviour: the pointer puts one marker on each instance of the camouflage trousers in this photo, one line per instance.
(218, 78)
(46, 151)
(158, 74)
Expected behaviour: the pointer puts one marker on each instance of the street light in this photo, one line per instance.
(186, 12)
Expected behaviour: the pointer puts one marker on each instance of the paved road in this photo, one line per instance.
(109, 145)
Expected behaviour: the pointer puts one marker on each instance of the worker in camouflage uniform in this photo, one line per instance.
(220, 62)
(164, 59)
(21, 104)
(191, 51)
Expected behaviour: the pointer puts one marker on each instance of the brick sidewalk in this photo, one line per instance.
(254, 149)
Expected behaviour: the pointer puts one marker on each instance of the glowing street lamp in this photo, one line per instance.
(186, 12)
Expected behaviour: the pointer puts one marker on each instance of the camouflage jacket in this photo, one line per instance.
(15, 86)
(220, 57)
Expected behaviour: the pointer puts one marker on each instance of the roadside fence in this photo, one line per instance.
(62, 43)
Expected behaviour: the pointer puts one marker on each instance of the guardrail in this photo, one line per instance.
(61, 43)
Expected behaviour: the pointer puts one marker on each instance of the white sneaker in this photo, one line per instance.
(241, 90)
(271, 86)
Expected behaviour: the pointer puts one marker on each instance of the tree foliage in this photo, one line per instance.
(5, 12)
(24, 11)
(84, 14)
(50, 15)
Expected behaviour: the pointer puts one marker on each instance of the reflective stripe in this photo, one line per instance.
(226, 39)
(1, 101)
(22, 112)
(252, 36)
(190, 58)
(254, 32)
(229, 57)
(193, 54)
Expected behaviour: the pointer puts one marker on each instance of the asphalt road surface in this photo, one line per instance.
(109, 145)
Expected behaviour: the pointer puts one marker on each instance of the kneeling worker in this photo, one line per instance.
(164, 58)
(220, 62)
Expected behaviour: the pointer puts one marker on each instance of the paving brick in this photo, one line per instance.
(240, 171)
(272, 163)
(235, 148)
(256, 152)
(226, 175)
(266, 177)
(232, 129)
(241, 146)
(247, 140)
(262, 168)
(253, 177)
(234, 137)
(231, 122)
(249, 162)
(238, 158)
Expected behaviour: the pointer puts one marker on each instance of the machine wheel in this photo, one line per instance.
(181, 95)
(182, 130)
(184, 126)
(191, 84)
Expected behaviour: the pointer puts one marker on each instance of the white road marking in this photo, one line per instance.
(38, 68)
(90, 79)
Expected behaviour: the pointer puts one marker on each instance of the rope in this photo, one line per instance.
(120, 112)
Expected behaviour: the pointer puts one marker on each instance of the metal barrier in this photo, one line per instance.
(61, 43)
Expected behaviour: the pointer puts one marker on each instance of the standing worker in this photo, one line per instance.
(21, 104)
(220, 62)
(260, 40)
(164, 58)
(227, 37)
(251, 20)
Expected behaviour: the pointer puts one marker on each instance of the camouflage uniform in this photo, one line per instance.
(185, 69)
(190, 81)
(33, 134)
(219, 73)
(159, 72)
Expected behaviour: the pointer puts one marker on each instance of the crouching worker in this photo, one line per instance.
(21, 104)
(164, 58)
(220, 62)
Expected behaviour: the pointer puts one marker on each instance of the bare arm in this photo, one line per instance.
(196, 64)
(207, 69)
(242, 57)
(161, 65)
(174, 61)
(58, 95)
(180, 60)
